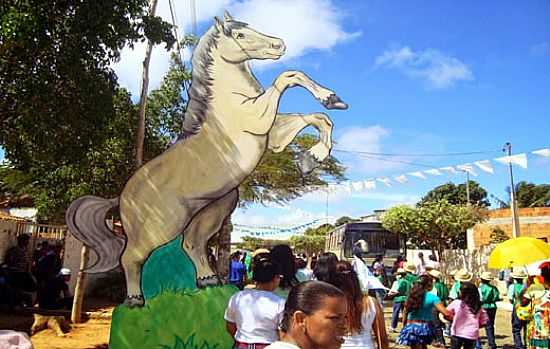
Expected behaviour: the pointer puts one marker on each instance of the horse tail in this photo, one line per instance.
(85, 219)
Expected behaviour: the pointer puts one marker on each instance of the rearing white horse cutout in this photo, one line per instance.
(192, 187)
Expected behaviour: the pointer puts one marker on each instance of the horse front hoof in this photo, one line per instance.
(334, 102)
(208, 281)
(134, 301)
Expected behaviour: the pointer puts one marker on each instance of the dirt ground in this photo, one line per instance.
(94, 333)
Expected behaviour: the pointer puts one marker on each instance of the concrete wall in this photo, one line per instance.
(534, 222)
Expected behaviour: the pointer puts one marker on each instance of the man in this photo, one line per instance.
(399, 292)
(237, 271)
(515, 291)
(440, 290)
(489, 297)
(18, 263)
(460, 276)
(420, 264)
(410, 268)
(17, 257)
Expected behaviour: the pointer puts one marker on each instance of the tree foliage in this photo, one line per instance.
(456, 194)
(344, 220)
(250, 243)
(435, 225)
(498, 235)
(312, 241)
(532, 195)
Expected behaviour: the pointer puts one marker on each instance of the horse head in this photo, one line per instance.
(238, 42)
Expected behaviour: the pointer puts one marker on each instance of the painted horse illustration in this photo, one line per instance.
(191, 188)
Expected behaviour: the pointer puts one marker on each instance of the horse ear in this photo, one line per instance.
(227, 17)
(219, 24)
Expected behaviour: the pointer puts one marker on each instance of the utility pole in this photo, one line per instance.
(513, 205)
(467, 188)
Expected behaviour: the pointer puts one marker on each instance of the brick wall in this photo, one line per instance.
(534, 222)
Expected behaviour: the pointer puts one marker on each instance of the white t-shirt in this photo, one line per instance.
(257, 315)
(282, 345)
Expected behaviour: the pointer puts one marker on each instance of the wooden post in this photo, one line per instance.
(76, 312)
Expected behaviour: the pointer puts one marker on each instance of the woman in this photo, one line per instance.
(325, 269)
(282, 255)
(364, 314)
(468, 317)
(417, 329)
(253, 315)
(538, 310)
(313, 318)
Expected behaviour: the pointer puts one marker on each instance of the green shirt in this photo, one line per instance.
(455, 290)
(440, 290)
(410, 277)
(489, 296)
(403, 288)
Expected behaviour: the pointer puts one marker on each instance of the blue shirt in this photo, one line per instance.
(236, 272)
(425, 311)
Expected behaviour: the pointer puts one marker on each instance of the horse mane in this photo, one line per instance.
(200, 92)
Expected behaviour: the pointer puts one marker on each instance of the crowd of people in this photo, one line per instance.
(34, 279)
(283, 303)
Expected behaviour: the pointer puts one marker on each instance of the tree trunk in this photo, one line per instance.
(224, 249)
(76, 312)
(140, 137)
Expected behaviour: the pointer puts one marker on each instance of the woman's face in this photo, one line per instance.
(326, 327)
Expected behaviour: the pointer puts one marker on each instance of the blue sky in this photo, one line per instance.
(420, 77)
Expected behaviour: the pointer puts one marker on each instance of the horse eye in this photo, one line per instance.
(240, 36)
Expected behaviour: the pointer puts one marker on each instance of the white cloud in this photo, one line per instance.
(304, 25)
(540, 49)
(437, 69)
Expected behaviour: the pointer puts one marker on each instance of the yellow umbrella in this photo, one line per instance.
(518, 252)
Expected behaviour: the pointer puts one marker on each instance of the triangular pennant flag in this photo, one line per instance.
(449, 169)
(385, 180)
(434, 172)
(401, 179)
(467, 168)
(357, 186)
(369, 184)
(485, 165)
(543, 152)
(417, 174)
(519, 159)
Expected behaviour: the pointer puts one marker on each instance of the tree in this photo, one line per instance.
(456, 194)
(532, 195)
(312, 241)
(435, 225)
(345, 220)
(251, 243)
(498, 235)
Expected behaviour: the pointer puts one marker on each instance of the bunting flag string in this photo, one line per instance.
(542, 152)
(485, 165)
(519, 159)
(417, 174)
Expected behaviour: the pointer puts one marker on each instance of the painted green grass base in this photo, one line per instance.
(175, 320)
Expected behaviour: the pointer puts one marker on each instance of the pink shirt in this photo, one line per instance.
(465, 324)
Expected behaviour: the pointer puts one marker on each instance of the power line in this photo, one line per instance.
(415, 155)
(397, 161)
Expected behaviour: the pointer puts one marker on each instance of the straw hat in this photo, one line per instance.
(400, 271)
(463, 275)
(519, 274)
(436, 274)
(486, 275)
(410, 268)
(260, 250)
(452, 272)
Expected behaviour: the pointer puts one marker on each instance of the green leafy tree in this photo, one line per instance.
(532, 195)
(312, 241)
(456, 194)
(344, 220)
(498, 235)
(251, 243)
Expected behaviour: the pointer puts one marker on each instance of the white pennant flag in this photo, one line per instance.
(357, 186)
(467, 168)
(385, 180)
(417, 174)
(369, 184)
(449, 169)
(543, 152)
(401, 179)
(519, 159)
(485, 165)
(434, 172)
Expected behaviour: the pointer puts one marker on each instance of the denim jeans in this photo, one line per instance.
(459, 342)
(517, 327)
(489, 329)
(396, 309)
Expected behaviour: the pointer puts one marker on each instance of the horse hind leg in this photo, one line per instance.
(203, 226)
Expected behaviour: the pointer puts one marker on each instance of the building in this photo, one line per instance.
(534, 222)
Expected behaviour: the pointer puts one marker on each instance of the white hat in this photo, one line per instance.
(463, 275)
(486, 275)
(400, 271)
(65, 271)
(410, 268)
(434, 273)
(519, 274)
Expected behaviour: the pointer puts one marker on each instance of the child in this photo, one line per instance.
(468, 317)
